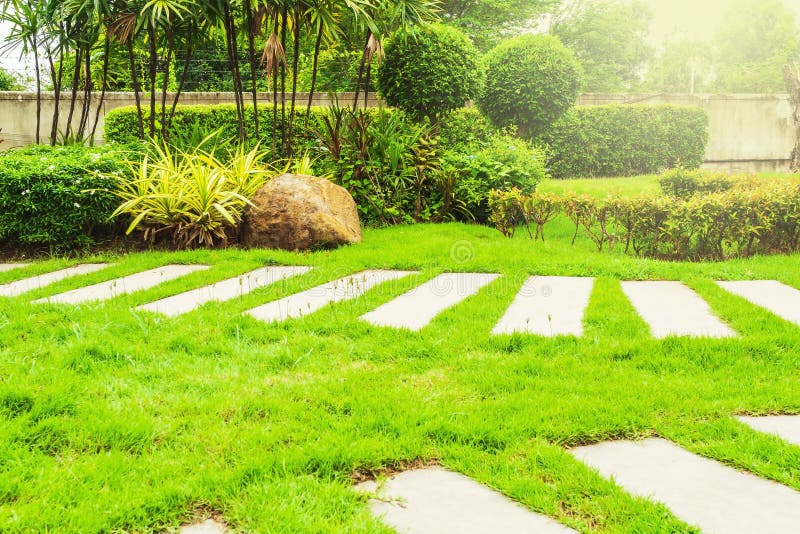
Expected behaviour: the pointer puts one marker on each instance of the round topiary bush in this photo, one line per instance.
(531, 81)
(429, 72)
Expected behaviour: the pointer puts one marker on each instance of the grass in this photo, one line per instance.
(627, 187)
(113, 420)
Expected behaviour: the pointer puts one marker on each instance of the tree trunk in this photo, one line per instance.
(791, 74)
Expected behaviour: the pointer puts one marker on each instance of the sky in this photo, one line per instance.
(695, 18)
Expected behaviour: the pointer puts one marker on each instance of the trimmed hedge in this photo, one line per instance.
(192, 123)
(749, 218)
(626, 140)
(57, 198)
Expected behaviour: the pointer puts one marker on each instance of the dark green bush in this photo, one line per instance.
(55, 197)
(192, 123)
(463, 128)
(626, 140)
(500, 162)
(531, 81)
(430, 71)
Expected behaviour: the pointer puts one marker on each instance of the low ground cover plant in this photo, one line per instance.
(722, 217)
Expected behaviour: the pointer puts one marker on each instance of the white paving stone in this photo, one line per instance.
(415, 309)
(209, 526)
(309, 301)
(786, 427)
(548, 306)
(434, 501)
(672, 309)
(222, 291)
(702, 492)
(29, 284)
(780, 299)
(5, 267)
(123, 286)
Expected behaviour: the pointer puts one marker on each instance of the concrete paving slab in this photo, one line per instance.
(222, 291)
(434, 501)
(786, 427)
(417, 308)
(123, 286)
(314, 299)
(780, 299)
(672, 309)
(702, 492)
(5, 267)
(548, 306)
(29, 284)
(209, 526)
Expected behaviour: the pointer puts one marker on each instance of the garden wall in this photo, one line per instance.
(747, 132)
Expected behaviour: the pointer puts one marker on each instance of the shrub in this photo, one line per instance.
(685, 183)
(53, 197)
(192, 197)
(191, 124)
(741, 221)
(463, 128)
(430, 71)
(501, 162)
(626, 140)
(531, 81)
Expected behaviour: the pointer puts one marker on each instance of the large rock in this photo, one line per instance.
(299, 212)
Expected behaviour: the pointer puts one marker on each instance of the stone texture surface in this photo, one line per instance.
(780, 299)
(4, 267)
(123, 286)
(314, 299)
(786, 427)
(702, 492)
(548, 306)
(209, 526)
(299, 212)
(436, 501)
(36, 282)
(222, 291)
(672, 309)
(415, 309)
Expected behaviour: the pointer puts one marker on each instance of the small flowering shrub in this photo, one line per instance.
(54, 198)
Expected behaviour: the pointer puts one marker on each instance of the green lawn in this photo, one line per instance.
(629, 186)
(114, 420)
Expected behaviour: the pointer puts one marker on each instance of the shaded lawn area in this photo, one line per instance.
(117, 420)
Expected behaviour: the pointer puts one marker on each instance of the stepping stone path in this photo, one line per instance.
(702, 492)
(123, 286)
(780, 299)
(318, 297)
(5, 267)
(37, 282)
(209, 526)
(434, 500)
(672, 309)
(222, 291)
(417, 308)
(786, 427)
(548, 306)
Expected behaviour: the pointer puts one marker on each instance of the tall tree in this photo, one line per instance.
(685, 66)
(609, 38)
(756, 39)
(488, 22)
(791, 75)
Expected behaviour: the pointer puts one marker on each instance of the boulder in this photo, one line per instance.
(300, 212)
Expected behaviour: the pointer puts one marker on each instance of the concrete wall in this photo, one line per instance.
(747, 133)
(18, 111)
